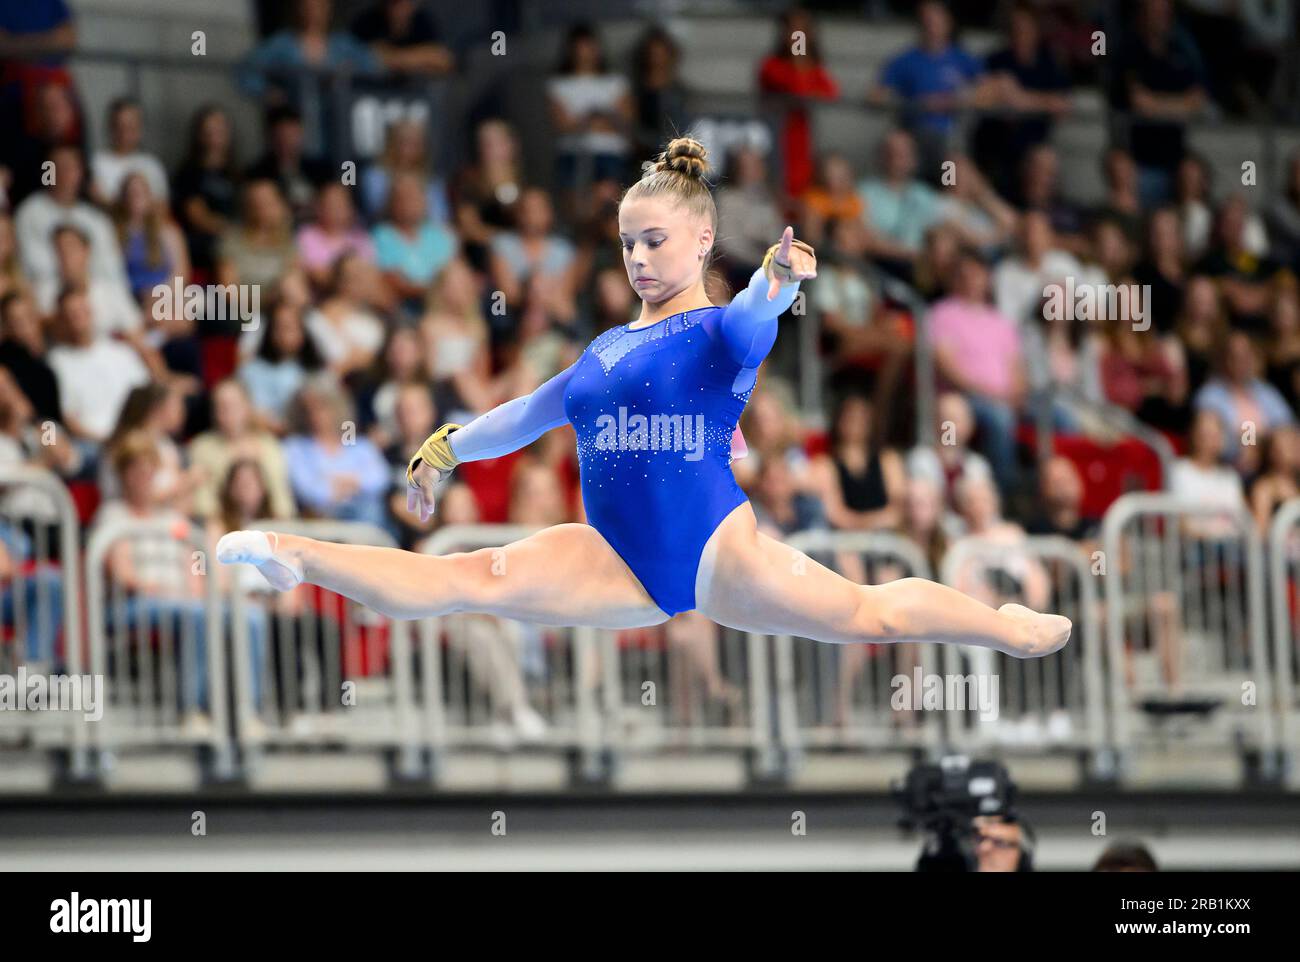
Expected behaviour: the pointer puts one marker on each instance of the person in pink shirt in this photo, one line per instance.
(333, 233)
(977, 351)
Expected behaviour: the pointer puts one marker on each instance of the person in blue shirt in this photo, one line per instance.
(269, 71)
(654, 404)
(932, 80)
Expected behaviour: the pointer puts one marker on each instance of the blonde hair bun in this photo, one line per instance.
(683, 156)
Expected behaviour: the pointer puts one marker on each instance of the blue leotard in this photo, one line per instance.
(654, 410)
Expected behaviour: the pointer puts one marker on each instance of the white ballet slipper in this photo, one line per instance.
(255, 548)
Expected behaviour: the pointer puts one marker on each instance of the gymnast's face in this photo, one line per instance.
(664, 246)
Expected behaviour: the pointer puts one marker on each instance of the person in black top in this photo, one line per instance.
(22, 351)
(206, 187)
(402, 34)
(1031, 91)
(1161, 271)
(1160, 81)
(1060, 499)
(299, 176)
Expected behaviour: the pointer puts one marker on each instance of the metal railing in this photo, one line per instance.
(839, 696)
(161, 644)
(1284, 589)
(1187, 652)
(42, 602)
(331, 672)
(1056, 702)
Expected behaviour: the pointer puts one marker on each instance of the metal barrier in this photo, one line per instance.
(40, 603)
(1055, 703)
(839, 696)
(330, 672)
(1284, 587)
(160, 642)
(490, 682)
(1186, 625)
(685, 684)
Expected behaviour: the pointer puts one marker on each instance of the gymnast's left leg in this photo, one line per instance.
(752, 582)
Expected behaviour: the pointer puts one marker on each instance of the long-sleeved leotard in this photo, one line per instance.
(654, 410)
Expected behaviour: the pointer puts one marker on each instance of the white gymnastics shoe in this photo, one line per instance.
(282, 571)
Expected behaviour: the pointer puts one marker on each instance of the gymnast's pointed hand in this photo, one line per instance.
(794, 261)
(420, 496)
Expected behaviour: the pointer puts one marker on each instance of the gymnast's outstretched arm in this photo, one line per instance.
(514, 424)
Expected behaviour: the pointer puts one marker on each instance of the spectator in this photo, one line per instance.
(37, 37)
(406, 151)
(934, 79)
(781, 508)
(533, 249)
(110, 168)
(899, 208)
(948, 462)
(410, 248)
(54, 123)
(1248, 408)
(152, 244)
(795, 70)
(401, 362)
(1197, 215)
(1284, 347)
(333, 234)
(24, 441)
(95, 373)
(773, 430)
(206, 187)
(861, 483)
(259, 250)
(62, 203)
(235, 435)
(935, 268)
(486, 192)
(344, 328)
(157, 411)
(977, 350)
(1123, 202)
(1065, 354)
(1202, 330)
(1247, 281)
(286, 358)
(1029, 87)
(1161, 84)
(335, 472)
(1022, 279)
(831, 196)
(1202, 477)
(1163, 271)
(982, 218)
(1279, 481)
(1015, 573)
(22, 354)
(657, 91)
(111, 304)
(750, 210)
(923, 518)
(414, 418)
(1040, 190)
(591, 113)
(403, 37)
(455, 332)
(1142, 374)
(1060, 493)
(297, 175)
(163, 588)
(543, 345)
(268, 70)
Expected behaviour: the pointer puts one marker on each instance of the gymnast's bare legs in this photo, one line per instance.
(568, 575)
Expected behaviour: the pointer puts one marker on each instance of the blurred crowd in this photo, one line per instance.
(385, 304)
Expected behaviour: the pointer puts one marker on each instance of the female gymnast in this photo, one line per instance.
(654, 404)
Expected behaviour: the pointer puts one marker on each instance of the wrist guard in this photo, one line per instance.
(436, 450)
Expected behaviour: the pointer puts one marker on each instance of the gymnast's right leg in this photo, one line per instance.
(565, 575)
